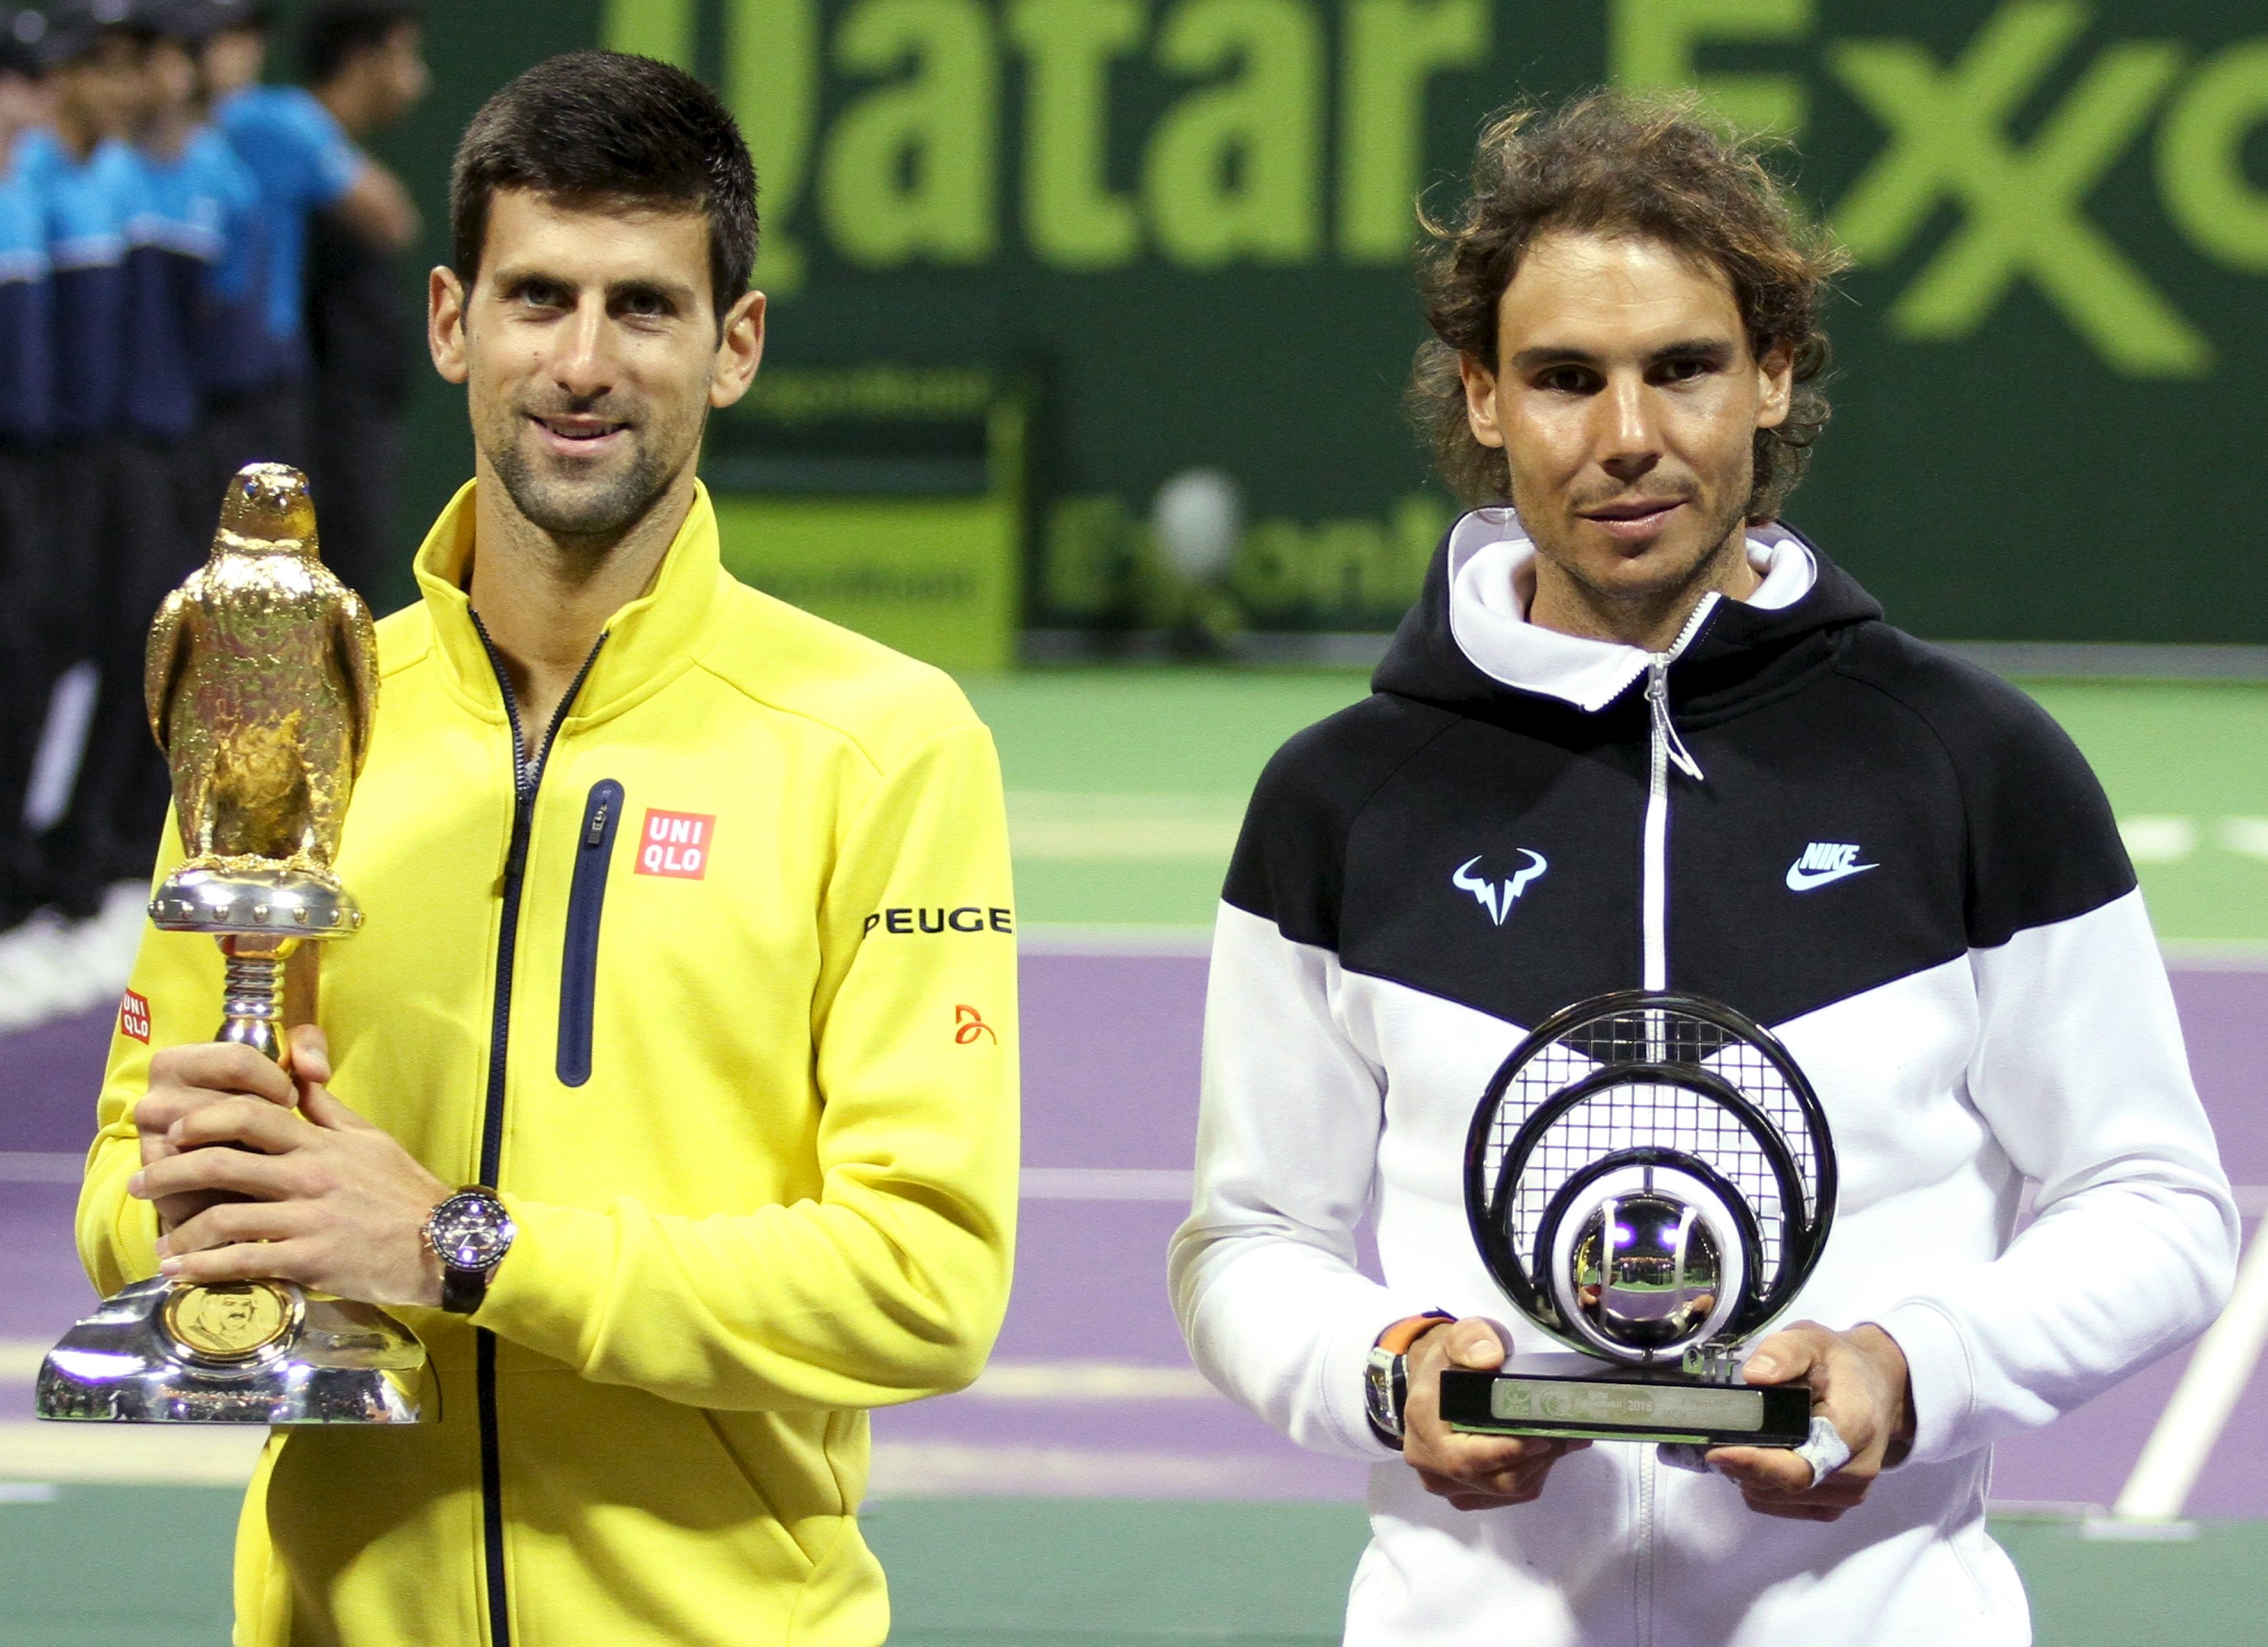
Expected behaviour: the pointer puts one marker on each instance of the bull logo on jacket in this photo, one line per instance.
(1498, 897)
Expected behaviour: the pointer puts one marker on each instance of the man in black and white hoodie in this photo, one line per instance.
(1637, 733)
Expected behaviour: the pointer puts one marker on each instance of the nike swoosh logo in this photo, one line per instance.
(1802, 880)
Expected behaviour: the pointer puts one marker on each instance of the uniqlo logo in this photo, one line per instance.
(675, 844)
(133, 1018)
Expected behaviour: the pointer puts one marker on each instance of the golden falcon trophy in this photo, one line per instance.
(263, 688)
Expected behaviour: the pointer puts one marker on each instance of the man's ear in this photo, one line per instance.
(1480, 400)
(739, 348)
(1775, 376)
(445, 324)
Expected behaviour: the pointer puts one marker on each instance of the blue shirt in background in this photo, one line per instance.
(192, 210)
(89, 206)
(26, 298)
(302, 160)
(234, 353)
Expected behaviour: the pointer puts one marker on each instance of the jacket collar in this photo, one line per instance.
(647, 640)
(1468, 638)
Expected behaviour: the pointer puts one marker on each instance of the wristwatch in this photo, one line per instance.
(1386, 1374)
(470, 1232)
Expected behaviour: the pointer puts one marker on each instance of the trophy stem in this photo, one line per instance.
(251, 1005)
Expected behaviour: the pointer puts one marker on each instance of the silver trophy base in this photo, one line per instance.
(318, 1361)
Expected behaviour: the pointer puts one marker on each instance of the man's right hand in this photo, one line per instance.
(1471, 1472)
(184, 1079)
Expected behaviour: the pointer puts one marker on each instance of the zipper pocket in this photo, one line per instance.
(579, 960)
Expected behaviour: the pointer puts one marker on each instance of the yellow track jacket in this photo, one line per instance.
(726, 1007)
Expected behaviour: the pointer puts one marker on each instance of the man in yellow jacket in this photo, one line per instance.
(688, 954)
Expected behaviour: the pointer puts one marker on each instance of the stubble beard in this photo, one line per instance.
(582, 514)
(1727, 538)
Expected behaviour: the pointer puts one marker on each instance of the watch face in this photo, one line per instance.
(471, 1231)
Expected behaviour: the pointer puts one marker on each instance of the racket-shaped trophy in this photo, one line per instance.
(1649, 1180)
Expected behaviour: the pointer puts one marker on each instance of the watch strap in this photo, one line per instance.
(1397, 1339)
(464, 1290)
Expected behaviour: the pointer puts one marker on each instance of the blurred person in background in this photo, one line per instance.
(302, 161)
(233, 54)
(26, 386)
(192, 200)
(365, 61)
(241, 372)
(95, 188)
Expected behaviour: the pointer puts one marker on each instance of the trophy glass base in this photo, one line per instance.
(1573, 1397)
(259, 1352)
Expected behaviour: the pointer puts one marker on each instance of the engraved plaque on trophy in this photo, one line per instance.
(263, 687)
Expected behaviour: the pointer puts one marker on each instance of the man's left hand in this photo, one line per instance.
(1859, 1380)
(329, 1201)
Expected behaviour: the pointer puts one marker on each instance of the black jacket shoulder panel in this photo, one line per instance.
(2042, 844)
(1290, 863)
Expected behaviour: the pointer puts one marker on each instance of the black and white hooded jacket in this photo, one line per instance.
(1899, 863)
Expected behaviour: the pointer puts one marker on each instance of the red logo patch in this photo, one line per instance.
(675, 844)
(968, 1024)
(133, 1018)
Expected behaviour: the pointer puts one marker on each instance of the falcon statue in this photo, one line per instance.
(262, 684)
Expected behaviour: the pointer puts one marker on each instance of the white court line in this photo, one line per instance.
(1055, 937)
(173, 1455)
(1121, 828)
(1108, 1184)
(2187, 1431)
(927, 1469)
(2214, 955)
(1089, 1381)
(41, 1166)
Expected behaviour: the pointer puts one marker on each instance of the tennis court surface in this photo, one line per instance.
(1091, 1489)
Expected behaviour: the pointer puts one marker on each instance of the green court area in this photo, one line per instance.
(122, 1567)
(1125, 786)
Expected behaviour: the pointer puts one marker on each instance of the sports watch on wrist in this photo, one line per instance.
(470, 1232)
(1386, 1374)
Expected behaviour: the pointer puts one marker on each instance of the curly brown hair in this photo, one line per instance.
(1615, 163)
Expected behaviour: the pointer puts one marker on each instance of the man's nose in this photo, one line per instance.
(1629, 435)
(583, 362)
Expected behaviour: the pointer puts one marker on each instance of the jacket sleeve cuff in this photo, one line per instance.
(1941, 1374)
(118, 1238)
(1343, 1369)
(549, 1295)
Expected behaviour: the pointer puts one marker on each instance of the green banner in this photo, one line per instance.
(1189, 222)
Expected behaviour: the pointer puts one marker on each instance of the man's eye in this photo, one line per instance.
(1683, 371)
(1565, 380)
(543, 297)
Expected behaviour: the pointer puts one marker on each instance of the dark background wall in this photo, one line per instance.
(1185, 218)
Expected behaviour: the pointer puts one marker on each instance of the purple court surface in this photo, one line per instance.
(1110, 1084)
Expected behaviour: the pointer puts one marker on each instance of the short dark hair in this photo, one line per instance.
(1617, 163)
(601, 129)
(336, 30)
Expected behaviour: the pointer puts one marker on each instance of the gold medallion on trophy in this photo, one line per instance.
(231, 1321)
